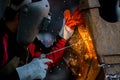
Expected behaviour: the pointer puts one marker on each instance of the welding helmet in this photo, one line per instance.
(31, 17)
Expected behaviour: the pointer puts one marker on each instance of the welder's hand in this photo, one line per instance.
(36, 69)
(71, 20)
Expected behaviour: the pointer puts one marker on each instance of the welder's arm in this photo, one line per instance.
(57, 51)
(71, 20)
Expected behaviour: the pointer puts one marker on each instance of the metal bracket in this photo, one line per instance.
(111, 66)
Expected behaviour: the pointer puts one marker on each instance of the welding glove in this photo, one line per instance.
(70, 21)
(36, 69)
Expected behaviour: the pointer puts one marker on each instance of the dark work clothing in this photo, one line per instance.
(11, 45)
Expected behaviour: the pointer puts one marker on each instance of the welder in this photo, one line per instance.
(19, 59)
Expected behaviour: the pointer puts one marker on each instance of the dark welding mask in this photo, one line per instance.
(32, 15)
(45, 23)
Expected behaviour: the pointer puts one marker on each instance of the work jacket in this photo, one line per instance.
(15, 55)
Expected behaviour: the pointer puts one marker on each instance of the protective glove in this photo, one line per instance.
(36, 69)
(70, 21)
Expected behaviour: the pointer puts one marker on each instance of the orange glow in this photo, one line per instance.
(84, 32)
